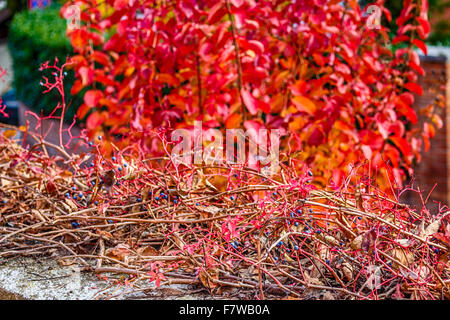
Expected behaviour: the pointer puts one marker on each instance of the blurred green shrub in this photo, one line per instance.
(441, 33)
(35, 37)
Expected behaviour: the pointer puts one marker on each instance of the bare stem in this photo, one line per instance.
(238, 60)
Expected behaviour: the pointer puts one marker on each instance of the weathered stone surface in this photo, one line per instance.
(45, 279)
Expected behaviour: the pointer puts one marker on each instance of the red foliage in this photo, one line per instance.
(310, 68)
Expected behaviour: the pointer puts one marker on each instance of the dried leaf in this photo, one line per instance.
(218, 182)
(119, 252)
(357, 242)
(405, 257)
(71, 205)
(347, 269)
(207, 277)
(433, 228)
(328, 296)
(9, 133)
(148, 251)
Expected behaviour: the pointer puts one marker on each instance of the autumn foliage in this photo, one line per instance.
(342, 93)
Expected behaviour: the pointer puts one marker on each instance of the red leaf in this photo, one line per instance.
(428, 130)
(414, 87)
(403, 106)
(316, 137)
(94, 121)
(79, 38)
(92, 98)
(399, 39)
(77, 87)
(425, 24)
(409, 113)
(237, 3)
(120, 4)
(255, 46)
(421, 45)
(233, 121)
(418, 68)
(83, 111)
(407, 98)
(100, 57)
(304, 104)
(187, 9)
(249, 101)
(87, 75)
(401, 144)
(264, 107)
(216, 13)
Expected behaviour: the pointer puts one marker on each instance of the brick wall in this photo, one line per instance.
(434, 169)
